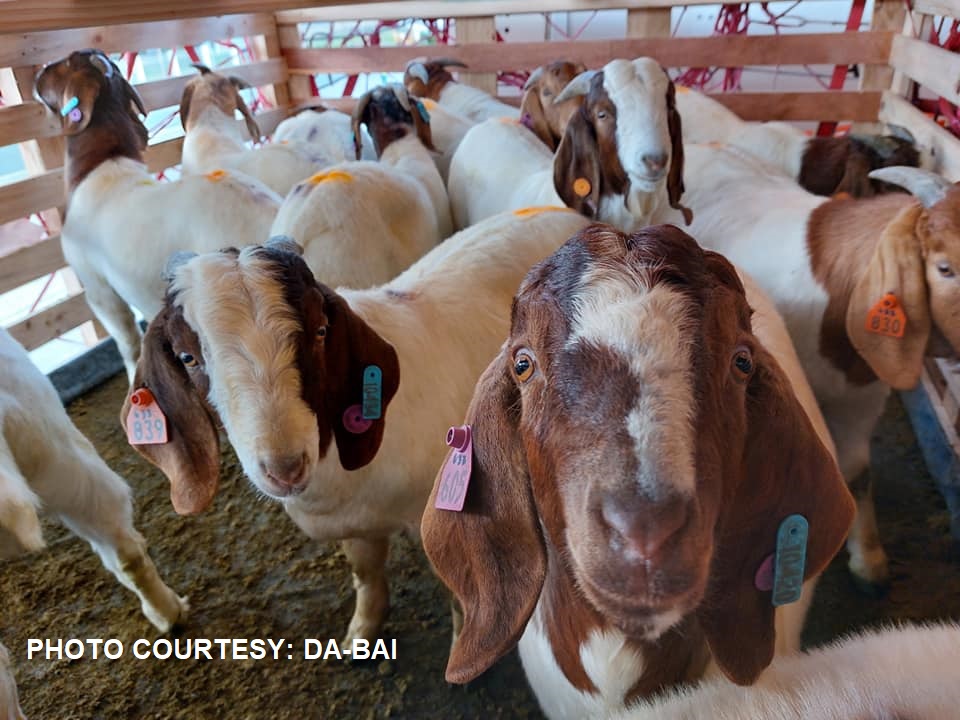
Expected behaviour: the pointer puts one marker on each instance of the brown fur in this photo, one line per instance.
(538, 112)
(832, 165)
(210, 88)
(438, 77)
(109, 126)
(537, 449)
(382, 111)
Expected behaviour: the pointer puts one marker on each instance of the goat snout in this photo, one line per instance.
(286, 472)
(656, 163)
(640, 528)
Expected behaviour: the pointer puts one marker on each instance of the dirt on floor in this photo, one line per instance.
(250, 573)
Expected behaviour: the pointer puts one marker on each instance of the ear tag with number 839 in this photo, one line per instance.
(452, 492)
(146, 423)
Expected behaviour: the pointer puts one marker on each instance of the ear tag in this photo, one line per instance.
(886, 317)
(70, 107)
(790, 560)
(372, 392)
(582, 187)
(424, 115)
(455, 476)
(146, 423)
(354, 422)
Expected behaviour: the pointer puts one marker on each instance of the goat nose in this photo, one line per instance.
(655, 162)
(641, 527)
(285, 470)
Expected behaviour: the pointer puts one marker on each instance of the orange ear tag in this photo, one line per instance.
(582, 187)
(146, 423)
(886, 317)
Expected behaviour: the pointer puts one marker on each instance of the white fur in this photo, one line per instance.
(46, 464)
(500, 165)
(329, 133)
(446, 317)
(370, 222)
(908, 672)
(474, 104)
(9, 702)
(122, 225)
(447, 129)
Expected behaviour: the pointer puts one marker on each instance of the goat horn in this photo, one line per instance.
(874, 142)
(179, 258)
(202, 69)
(446, 62)
(929, 188)
(400, 92)
(416, 69)
(534, 78)
(899, 131)
(100, 59)
(284, 243)
(580, 85)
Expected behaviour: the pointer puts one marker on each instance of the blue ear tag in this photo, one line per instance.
(372, 393)
(71, 104)
(791, 557)
(424, 115)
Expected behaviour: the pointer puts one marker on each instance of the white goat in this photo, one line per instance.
(360, 223)
(121, 224)
(620, 160)
(829, 265)
(285, 358)
(429, 78)
(447, 128)
(637, 445)
(904, 672)
(329, 132)
(47, 464)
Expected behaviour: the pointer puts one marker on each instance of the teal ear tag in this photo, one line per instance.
(791, 558)
(424, 115)
(372, 393)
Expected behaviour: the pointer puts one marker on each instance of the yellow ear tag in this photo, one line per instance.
(216, 175)
(582, 187)
(886, 317)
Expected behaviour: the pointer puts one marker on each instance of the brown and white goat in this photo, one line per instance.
(831, 266)
(620, 160)
(430, 78)
(121, 224)
(213, 139)
(636, 445)
(251, 340)
(539, 111)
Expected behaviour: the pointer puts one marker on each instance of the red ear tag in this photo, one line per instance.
(886, 317)
(146, 423)
(456, 470)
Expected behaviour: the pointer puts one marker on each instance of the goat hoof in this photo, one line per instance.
(165, 619)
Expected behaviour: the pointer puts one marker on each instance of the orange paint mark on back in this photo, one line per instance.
(330, 175)
(539, 209)
(216, 175)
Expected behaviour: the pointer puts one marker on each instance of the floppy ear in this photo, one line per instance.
(896, 267)
(532, 115)
(185, 99)
(855, 180)
(491, 555)
(56, 85)
(675, 174)
(785, 470)
(350, 347)
(252, 126)
(421, 123)
(191, 457)
(576, 167)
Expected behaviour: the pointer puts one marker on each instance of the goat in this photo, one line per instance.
(837, 266)
(363, 222)
(635, 447)
(821, 165)
(903, 672)
(620, 160)
(45, 462)
(430, 78)
(538, 111)
(447, 129)
(214, 141)
(249, 338)
(328, 132)
(121, 224)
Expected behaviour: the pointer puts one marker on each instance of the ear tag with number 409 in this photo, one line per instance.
(886, 317)
(455, 476)
(146, 423)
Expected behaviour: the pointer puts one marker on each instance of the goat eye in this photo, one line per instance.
(944, 269)
(601, 114)
(547, 93)
(743, 361)
(321, 332)
(188, 359)
(523, 366)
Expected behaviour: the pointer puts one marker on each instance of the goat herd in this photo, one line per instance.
(661, 433)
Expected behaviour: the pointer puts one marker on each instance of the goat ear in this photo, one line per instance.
(191, 457)
(252, 126)
(533, 116)
(576, 167)
(351, 347)
(785, 470)
(491, 555)
(421, 123)
(896, 267)
(675, 174)
(185, 99)
(855, 180)
(59, 89)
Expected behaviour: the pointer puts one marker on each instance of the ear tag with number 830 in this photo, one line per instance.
(146, 423)
(886, 317)
(452, 492)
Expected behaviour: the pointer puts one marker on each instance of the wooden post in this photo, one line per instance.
(477, 30)
(298, 86)
(887, 15)
(648, 22)
(267, 46)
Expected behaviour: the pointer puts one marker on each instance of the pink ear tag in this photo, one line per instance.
(354, 421)
(452, 492)
(146, 423)
(763, 580)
